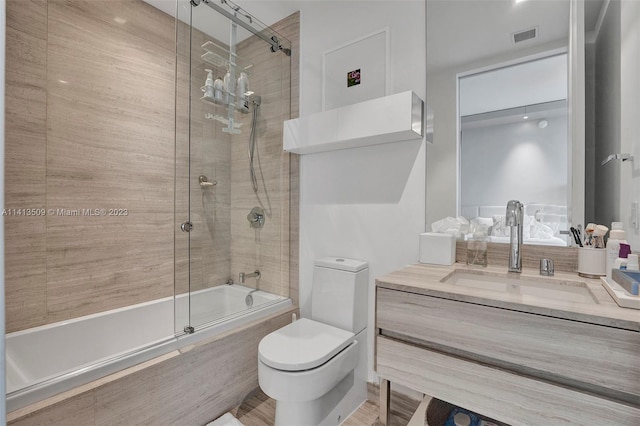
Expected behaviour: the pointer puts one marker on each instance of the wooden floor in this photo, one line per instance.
(259, 410)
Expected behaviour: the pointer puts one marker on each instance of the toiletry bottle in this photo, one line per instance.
(228, 88)
(616, 237)
(632, 263)
(242, 100)
(621, 261)
(218, 90)
(208, 85)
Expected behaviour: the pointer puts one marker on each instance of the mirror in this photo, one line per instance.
(470, 37)
(513, 144)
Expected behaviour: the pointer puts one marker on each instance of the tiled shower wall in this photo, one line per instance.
(90, 110)
(202, 148)
(266, 249)
(90, 125)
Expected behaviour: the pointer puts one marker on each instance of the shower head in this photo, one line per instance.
(256, 100)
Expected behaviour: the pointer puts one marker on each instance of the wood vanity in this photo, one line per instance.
(522, 358)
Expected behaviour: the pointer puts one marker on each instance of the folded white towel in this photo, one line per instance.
(226, 420)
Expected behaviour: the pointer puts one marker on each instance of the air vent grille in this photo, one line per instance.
(524, 35)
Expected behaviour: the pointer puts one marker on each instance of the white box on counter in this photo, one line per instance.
(437, 249)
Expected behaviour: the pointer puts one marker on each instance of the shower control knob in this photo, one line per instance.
(256, 217)
(186, 227)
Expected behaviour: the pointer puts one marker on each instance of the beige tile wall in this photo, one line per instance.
(565, 258)
(209, 153)
(110, 145)
(25, 171)
(90, 124)
(101, 108)
(264, 249)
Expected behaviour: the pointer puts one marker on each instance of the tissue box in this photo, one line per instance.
(437, 249)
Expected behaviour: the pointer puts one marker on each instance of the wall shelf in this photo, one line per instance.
(392, 118)
(220, 57)
(224, 120)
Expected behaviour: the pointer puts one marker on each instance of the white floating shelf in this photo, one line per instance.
(392, 118)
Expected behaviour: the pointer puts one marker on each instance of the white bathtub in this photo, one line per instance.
(44, 361)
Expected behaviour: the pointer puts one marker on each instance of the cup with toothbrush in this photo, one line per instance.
(592, 257)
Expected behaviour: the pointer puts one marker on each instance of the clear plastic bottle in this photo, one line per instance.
(228, 88)
(208, 85)
(218, 90)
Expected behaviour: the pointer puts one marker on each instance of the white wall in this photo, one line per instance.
(630, 106)
(366, 203)
(608, 95)
(617, 90)
(515, 161)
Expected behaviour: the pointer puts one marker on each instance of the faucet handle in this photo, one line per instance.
(546, 267)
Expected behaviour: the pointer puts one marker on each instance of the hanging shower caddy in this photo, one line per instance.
(222, 61)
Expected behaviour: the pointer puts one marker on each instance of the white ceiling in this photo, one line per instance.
(267, 11)
(458, 31)
(465, 31)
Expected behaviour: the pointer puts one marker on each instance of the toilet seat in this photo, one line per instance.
(302, 345)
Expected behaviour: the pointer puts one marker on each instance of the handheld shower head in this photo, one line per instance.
(255, 100)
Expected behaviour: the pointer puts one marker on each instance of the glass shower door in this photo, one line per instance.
(182, 219)
(236, 171)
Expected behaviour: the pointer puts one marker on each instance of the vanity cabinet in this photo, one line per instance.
(518, 367)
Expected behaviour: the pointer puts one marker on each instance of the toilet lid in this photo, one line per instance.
(302, 345)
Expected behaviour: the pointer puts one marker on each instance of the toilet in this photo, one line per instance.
(308, 366)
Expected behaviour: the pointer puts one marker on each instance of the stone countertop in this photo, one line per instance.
(430, 280)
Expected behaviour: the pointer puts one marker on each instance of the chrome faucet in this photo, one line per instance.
(514, 219)
(242, 276)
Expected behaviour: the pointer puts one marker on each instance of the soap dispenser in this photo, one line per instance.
(208, 85)
(218, 90)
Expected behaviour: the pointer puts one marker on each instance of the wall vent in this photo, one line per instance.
(523, 35)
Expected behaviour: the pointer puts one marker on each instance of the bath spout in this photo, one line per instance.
(242, 276)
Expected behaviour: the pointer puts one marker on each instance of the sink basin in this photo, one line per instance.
(523, 288)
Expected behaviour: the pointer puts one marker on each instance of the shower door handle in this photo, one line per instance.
(186, 226)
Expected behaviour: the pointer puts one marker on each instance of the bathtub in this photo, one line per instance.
(47, 360)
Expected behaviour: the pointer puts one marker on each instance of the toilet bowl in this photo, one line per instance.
(307, 367)
(301, 365)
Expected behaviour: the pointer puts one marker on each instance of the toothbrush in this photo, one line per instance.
(588, 234)
(599, 234)
(576, 236)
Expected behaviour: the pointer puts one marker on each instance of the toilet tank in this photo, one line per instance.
(339, 294)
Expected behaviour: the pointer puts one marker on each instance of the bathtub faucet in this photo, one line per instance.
(243, 275)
